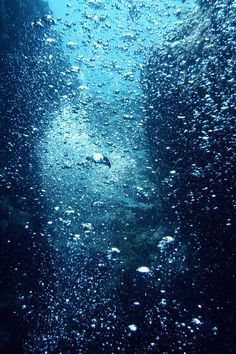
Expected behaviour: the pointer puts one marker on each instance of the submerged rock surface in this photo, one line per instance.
(189, 83)
(30, 84)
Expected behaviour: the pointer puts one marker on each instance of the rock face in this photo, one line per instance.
(33, 76)
(190, 96)
(33, 70)
(189, 82)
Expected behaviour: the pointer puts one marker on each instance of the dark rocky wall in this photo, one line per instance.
(34, 73)
(34, 76)
(190, 82)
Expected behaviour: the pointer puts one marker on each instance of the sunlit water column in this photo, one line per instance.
(92, 207)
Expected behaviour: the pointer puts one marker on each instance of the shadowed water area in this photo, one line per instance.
(117, 176)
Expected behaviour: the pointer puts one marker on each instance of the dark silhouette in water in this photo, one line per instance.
(25, 77)
(190, 92)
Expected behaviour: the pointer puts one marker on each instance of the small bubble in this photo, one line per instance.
(133, 327)
(143, 269)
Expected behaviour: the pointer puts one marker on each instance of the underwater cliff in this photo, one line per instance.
(189, 84)
(31, 82)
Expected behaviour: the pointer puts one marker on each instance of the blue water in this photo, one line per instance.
(112, 39)
(114, 229)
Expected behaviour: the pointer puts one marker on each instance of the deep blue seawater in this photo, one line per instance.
(116, 174)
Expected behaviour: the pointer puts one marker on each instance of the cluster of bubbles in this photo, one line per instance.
(116, 193)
